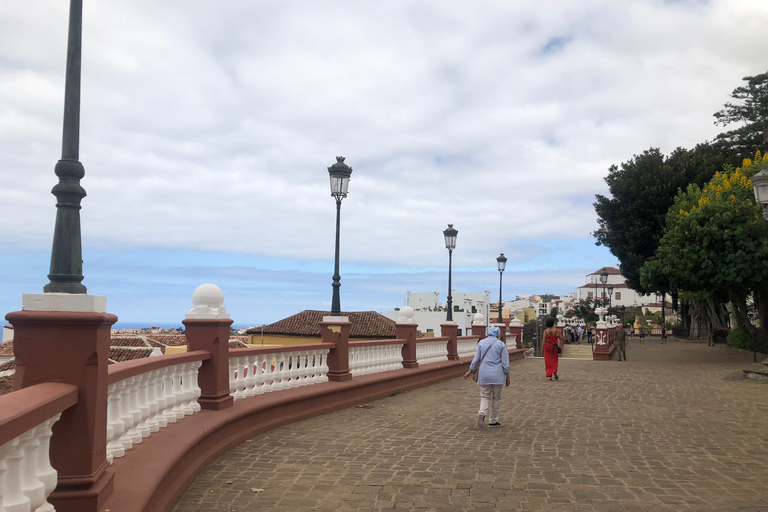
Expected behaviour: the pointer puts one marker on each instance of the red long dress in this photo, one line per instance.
(550, 353)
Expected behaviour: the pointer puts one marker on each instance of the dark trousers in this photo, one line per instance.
(622, 350)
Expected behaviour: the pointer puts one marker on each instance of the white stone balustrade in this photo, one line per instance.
(431, 351)
(467, 348)
(26, 475)
(143, 404)
(364, 360)
(255, 374)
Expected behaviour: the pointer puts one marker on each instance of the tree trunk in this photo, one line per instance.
(698, 316)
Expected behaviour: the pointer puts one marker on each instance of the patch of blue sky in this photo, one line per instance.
(555, 44)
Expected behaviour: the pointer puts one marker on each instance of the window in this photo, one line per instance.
(430, 330)
(474, 309)
(459, 333)
(618, 295)
(590, 295)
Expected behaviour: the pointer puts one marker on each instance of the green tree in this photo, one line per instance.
(751, 108)
(716, 243)
(631, 220)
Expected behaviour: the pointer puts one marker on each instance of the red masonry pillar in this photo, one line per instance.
(335, 329)
(452, 331)
(478, 330)
(407, 332)
(66, 338)
(503, 329)
(207, 327)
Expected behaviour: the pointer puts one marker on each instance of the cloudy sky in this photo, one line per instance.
(207, 128)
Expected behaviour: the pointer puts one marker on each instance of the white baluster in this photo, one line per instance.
(170, 398)
(280, 364)
(31, 486)
(178, 392)
(142, 399)
(13, 499)
(114, 447)
(186, 386)
(306, 368)
(133, 408)
(258, 374)
(323, 377)
(4, 452)
(152, 422)
(125, 415)
(233, 377)
(162, 402)
(240, 382)
(45, 471)
(195, 386)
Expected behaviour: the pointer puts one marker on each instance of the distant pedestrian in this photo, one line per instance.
(632, 332)
(492, 365)
(621, 342)
(642, 335)
(551, 349)
(664, 335)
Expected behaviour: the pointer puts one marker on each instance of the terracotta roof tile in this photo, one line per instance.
(8, 365)
(365, 325)
(120, 354)
(168, 340)
(6, 349)
(129, 341)
(6, 385)
(237, 344)
(612, 271)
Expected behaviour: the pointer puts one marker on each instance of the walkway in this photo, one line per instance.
(665, 431)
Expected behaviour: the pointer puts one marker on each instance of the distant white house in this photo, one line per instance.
(429, 312)
(622, 294)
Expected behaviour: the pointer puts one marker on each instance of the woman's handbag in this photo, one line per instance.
(476, 371)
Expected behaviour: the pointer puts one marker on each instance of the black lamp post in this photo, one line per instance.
(622, 315)
(450, 244)
(604, 279)
(66, 270)
(339, 173)
(501, 261)
(610, 295)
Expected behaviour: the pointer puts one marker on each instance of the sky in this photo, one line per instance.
(207, 129)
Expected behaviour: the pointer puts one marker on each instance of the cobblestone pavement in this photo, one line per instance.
(665, 431)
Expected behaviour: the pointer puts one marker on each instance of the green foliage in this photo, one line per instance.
(585, 309)
(554, 312)
(716, 241)
(547, 297)
(740, 338)
(631, 320)
(631, 221)
(750, 108)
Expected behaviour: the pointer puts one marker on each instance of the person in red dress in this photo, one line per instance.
(551, 343)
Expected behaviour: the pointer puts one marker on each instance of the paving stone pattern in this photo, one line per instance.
(667, 430)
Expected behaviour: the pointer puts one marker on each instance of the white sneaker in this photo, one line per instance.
(480, 420)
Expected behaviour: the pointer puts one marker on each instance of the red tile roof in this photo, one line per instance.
(6, 349)
(6, 385)
(612, 271)
(8, 365)
(168, 340)
(120, 354)
(365, 325)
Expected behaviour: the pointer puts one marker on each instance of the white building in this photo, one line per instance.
(622, 294)
(429, 312)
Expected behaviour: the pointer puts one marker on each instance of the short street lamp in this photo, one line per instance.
(760, 183)
(610, 295)
(604, 279)
(339, 173)
(501, 261)
(450, 244)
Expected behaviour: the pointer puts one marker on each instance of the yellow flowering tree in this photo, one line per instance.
(716, 242)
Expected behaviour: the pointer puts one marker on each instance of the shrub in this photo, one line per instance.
(740, 338)
(720, 332)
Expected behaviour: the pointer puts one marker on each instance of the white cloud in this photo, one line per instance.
(209, 126)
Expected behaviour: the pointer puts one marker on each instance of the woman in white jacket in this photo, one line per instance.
(492, 363)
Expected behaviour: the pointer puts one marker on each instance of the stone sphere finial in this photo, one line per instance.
(405, 315)
(479, 319)
(208, 303)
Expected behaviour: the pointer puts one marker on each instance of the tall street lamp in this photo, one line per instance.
(450, 244)
(501, 261)
(610, 295)
(760, 183)
(66, 269)
(604, 279)
(339, 173)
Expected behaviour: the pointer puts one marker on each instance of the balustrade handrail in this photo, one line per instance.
(27, 408)
(375, 343)
(436, 338)
(242, 352)
(127, 369)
